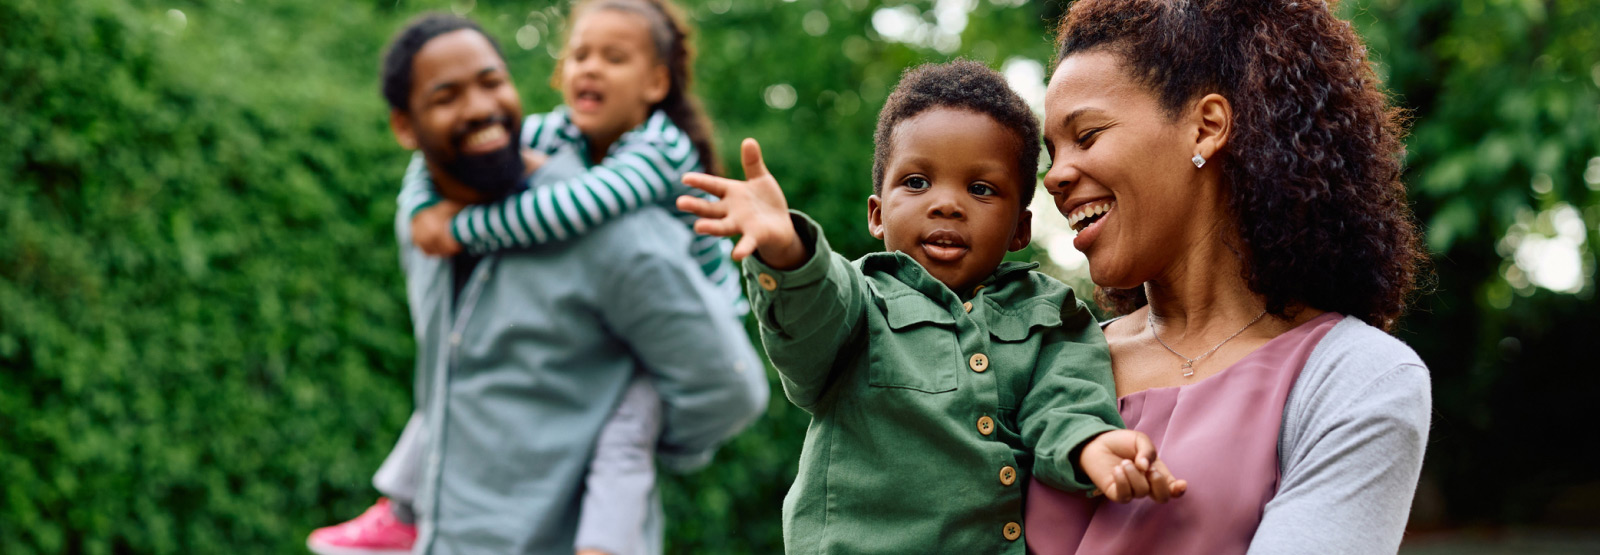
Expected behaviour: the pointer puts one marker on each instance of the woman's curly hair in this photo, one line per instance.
(1314, 156)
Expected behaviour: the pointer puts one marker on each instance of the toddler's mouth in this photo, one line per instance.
(944, 246)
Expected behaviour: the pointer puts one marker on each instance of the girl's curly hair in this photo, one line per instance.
(1314, 157)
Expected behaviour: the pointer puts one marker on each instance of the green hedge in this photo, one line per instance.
(204, 346)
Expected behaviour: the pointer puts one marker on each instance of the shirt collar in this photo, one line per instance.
(899, 267)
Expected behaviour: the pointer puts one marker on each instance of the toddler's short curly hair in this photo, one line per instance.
(965, 85)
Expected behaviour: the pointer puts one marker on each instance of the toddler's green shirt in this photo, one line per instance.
(930, 410)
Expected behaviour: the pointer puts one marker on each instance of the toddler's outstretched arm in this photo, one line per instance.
(1123, 464)
(754, 208)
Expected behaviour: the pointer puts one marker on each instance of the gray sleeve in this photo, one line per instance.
(685, 335)
(1355, 428)
(617, 491)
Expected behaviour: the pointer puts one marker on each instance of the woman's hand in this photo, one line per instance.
(1123, 464)
(754, 208)
(430, 229)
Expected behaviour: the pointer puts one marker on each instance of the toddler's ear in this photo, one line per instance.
(875, 216)
(1024, 234)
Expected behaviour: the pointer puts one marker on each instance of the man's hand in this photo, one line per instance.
(430, 229)
(1123, 464)
(754, 208)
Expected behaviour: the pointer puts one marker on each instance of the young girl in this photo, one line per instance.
(625, 78)
(628, 113)
(938, 377)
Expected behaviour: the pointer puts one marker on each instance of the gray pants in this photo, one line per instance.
(618, 491)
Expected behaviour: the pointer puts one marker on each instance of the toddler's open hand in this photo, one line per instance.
(1123, 464)
(754, 208)
(430, 229)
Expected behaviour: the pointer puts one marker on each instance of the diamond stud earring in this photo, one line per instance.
(1199, 161)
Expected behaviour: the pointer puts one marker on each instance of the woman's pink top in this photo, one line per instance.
(1220, 434)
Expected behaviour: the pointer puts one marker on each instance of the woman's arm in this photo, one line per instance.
(1355, 429)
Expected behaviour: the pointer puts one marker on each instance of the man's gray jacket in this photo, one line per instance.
(516, 383)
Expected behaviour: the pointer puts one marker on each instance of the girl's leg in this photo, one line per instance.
(619, 491)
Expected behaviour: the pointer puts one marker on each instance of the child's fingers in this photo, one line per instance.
(450, 247)
(719, 228)
(745, 247)
(1138, 485)
(1145, 451)
(1179, 487)
(1160, 483)
(1120, 489)
(750, 155)
(702, 207)
(709, 183)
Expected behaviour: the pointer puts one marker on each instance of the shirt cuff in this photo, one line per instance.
(768, 280)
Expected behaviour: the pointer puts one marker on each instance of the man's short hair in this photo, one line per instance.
(965, 85)
(402, 50)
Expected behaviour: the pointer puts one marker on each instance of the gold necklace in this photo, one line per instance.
(1188, 363)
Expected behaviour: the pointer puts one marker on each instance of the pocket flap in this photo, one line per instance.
(908, 310)
(1015, 325)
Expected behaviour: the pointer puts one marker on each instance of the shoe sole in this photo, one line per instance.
(325, 549)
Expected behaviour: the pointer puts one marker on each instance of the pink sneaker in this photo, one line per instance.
(375, 532)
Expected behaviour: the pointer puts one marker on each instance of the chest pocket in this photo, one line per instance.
(915, 346)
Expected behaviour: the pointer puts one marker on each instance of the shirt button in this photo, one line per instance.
(967, 305)
(766, 281)
(985, 425)
(1012, 531)
(979, 362)
(455, 340)
(1008, 475)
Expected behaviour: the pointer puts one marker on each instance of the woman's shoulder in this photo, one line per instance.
(1355, 348)
(1358, 372)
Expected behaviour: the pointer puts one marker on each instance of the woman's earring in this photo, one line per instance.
(1199, 161)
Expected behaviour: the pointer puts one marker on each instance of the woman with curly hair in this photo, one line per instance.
(1232, 170)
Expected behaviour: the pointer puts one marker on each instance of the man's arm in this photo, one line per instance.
(685, 335)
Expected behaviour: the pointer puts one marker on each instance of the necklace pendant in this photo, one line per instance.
(1188, 369)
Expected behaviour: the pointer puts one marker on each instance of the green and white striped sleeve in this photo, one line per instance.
(416, 191)
(539, 131)
(648, 170)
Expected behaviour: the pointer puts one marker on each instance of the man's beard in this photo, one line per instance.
(495, 174)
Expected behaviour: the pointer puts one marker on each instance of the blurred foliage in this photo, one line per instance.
(1504, 152)
(204, 345)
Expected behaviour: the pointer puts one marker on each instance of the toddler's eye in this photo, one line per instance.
(981, 189)
(918, 183)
